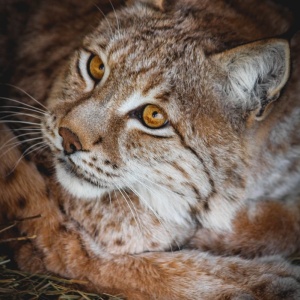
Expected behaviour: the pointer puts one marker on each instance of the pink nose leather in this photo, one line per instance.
(71, 142)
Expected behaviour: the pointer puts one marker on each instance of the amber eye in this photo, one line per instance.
(153, 116)
(96, 67)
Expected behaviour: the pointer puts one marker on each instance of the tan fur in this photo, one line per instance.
(189, 211)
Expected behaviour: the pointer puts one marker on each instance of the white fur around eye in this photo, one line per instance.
(163, 132)
(136, 99)
(84, 57)
(83, 60)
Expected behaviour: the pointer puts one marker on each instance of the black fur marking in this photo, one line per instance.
(206, 170)
(22, 202)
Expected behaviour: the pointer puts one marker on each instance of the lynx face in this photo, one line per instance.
(145, 108)
(163, 139)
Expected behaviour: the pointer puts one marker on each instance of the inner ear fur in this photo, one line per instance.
(255, 74)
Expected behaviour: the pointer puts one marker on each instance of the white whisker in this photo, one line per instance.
(109, 196)
(31, 97)
(134, 213)
(105, 18)
(116, 196)
(161, 220)
(39, 149)
(118, 24)
(13, 145)
(20, 122)
(13, 113)
(25, 104)
(21, 129)
(137, 219)
(26, 153)
(25, 108)
(142, 177)
(16, 137)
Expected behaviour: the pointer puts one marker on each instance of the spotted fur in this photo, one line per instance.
(150, 213)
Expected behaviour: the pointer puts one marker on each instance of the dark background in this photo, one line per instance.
(14, 15)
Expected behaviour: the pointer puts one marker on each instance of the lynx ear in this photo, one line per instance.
(160, 4)
(255, 73)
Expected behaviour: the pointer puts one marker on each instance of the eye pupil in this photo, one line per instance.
(153, 116)
(96, 67)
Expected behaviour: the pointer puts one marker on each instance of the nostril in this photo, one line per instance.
(71, 142)
(73, 147)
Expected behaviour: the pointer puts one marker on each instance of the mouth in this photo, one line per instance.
(78, 185)
(75, 172)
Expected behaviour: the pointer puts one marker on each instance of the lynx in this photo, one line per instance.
(161, 148)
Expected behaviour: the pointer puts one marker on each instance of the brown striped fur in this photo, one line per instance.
(206, 207)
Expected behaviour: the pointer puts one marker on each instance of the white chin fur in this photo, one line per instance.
(77, 187)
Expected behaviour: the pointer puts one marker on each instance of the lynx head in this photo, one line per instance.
(154, 102)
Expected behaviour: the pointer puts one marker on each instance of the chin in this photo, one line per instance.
(78, 187)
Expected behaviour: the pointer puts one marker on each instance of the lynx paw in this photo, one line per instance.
(270, 280)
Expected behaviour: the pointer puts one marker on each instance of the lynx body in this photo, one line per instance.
(172, 165)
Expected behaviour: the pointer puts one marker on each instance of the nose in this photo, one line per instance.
(71, 142)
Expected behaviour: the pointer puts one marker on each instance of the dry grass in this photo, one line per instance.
(16, 284)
